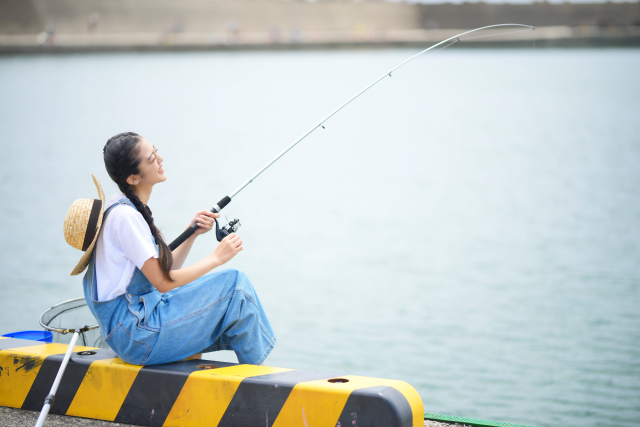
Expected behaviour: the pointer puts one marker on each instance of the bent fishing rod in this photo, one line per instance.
(233, 225)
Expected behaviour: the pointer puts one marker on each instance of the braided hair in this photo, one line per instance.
(122, 159)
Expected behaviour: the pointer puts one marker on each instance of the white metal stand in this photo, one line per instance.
(52, 394)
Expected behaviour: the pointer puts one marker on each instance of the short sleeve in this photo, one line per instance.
(133, 235)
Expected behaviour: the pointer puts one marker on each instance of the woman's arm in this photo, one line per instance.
(227, 249)
(205, 223)
(180, 253)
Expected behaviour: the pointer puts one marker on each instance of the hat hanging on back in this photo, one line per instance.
(82, 226)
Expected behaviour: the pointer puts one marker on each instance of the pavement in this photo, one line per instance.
(11, 417)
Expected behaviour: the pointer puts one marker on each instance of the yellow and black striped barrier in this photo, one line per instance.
(96, 384)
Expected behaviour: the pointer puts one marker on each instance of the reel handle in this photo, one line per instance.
(189, 231)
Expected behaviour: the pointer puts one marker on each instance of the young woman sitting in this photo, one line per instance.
(149, 307)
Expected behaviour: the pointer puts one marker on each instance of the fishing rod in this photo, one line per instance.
(233, 225)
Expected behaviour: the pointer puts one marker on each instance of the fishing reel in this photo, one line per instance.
(231, 227)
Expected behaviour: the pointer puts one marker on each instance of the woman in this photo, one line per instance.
(150, 309)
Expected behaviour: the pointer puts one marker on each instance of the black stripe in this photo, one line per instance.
(376, 406)
(259, 400)
(90, 233)
(71, 380)
(10, 343)
(155, 390)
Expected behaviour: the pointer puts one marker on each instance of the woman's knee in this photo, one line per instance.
(237, 277)
(229, 275)
(243, 282)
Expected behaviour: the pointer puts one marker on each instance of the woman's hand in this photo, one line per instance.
(205, 222)
(227, 248)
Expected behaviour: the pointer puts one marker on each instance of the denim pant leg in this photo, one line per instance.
(218, 311)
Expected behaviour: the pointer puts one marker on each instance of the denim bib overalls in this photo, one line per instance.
(219, 311)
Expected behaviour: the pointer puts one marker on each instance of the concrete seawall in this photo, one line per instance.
(116, 25)
(554, 37)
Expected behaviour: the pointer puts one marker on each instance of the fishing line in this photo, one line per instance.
(227, 199)
(446, 46)
(494, 35)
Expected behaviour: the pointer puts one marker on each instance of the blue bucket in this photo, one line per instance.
(44, 336)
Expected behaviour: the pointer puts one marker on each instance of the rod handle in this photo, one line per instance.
(184, 236)
(189, 231)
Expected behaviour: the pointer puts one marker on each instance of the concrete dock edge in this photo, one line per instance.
(98, 385)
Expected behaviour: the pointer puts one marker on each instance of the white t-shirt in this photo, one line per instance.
(125, 242)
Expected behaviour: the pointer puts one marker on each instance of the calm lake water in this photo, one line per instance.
(471, 225)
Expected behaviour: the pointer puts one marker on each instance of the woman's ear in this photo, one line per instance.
(133, 179)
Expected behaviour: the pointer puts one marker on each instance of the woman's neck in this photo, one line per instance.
(143, 193)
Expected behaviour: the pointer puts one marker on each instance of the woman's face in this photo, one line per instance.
(151, 171)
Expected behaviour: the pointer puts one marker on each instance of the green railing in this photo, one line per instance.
(469, 421)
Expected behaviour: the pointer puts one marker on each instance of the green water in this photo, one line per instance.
(471, 225)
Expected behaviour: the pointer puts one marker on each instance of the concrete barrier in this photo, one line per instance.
(98, 385)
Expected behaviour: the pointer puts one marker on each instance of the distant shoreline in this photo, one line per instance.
(79, 26)
(545, 37)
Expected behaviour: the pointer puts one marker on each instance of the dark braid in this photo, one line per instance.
(122, 159)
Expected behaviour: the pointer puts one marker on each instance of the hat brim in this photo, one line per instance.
(84, 261)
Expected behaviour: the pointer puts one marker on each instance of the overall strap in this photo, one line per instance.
(101, 310)
(90, 275)
(139, 284)
(119, 202)
(125, 202)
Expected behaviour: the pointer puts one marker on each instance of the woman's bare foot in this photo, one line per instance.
(195, 356)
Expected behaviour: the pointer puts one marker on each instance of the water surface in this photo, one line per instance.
(471, 225)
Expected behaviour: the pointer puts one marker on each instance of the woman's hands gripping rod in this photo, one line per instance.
(228, 247)
(205, 221)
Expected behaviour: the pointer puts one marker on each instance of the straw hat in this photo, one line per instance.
(82, 225)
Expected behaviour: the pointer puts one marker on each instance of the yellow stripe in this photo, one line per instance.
(1, 338)
(19, 368)
(46, 349)
(320, 403)
(103, 389)
(207, 393)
